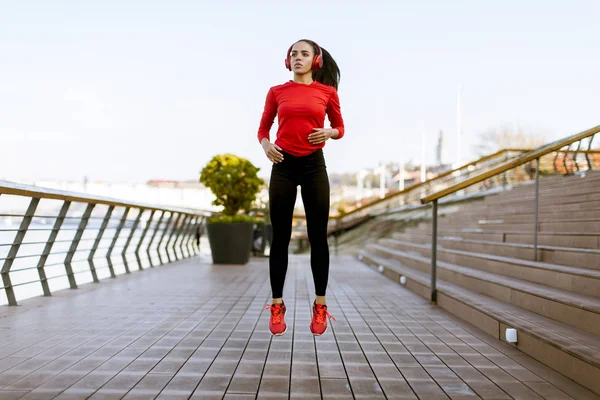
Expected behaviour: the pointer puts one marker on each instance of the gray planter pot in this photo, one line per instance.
(230, 243)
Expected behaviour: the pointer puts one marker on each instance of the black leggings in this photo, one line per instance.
(310, 173)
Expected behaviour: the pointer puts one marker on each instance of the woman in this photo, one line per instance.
(300, 106)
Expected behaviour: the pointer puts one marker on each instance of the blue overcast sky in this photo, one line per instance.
(137, 90)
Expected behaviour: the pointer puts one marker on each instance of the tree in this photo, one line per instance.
(504, 137)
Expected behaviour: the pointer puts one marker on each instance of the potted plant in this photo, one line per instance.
(234, 182)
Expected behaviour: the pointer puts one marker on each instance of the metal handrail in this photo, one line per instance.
(398, 193)
(18, 189)
(398, 201)
(533, 155)
(515, 162)
(176, 228)
(400, 198)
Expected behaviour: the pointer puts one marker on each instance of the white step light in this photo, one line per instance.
(511, 335)
(402, 280)
(380, 268)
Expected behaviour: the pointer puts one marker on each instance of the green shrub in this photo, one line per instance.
(235, 183)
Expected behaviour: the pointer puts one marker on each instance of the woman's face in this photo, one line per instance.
(301, 57)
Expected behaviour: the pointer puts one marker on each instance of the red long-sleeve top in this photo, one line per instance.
(300, 108)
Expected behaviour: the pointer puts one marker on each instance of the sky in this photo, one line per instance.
(136, 90)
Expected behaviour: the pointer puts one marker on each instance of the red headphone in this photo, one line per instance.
(317, 62)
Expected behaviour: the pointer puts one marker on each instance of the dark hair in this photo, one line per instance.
(329, 74)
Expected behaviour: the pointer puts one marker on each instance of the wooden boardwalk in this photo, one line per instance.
(194, 330)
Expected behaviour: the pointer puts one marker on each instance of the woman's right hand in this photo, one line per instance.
(272, 151)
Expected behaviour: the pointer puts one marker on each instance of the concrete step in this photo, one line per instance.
(571, 352)
(516, 217)
(584, 281)
(579, 311)
(557, 225)
(528, 199)
(586, 225)
(561, 195)
(550, 203)
(558, 182)
(512, 208)
(469, 215)
(568, 256)
(565, 189)
(548, 225)
(576, 188)
(585, 240)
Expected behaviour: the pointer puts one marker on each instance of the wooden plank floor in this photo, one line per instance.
(194, 330)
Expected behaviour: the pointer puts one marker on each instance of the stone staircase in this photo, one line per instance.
(488, 275)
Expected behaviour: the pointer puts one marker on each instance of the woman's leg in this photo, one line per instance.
(282, 198)
(315, 196)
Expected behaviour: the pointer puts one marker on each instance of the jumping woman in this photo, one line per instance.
(300, 106)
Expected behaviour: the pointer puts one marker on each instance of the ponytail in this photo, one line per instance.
(329, 73)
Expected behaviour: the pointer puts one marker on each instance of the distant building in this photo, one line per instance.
(165, 183)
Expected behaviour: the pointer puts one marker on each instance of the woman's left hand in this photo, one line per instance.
(320, 135)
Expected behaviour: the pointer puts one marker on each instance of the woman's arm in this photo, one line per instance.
(268, 116)
(272, 151)
(335, 116)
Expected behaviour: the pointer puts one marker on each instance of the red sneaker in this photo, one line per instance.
(318, 325)
(277, 323)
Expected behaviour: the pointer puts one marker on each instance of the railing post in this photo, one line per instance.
(434, 252)
(537, 206)
(162, 215)
(105, 222)
(139, 245)
(189, 244)
(162, 237)
(195, 240)
(182, 234)
(130, 237)
(48, 248)
(576, 153)
(14, 249)
(587, 157)
(190, 233)
(203, 229)
(504, 179)
(114, 241)
(173, 229)
(565, 160)
(71, 253)
(178, 229)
